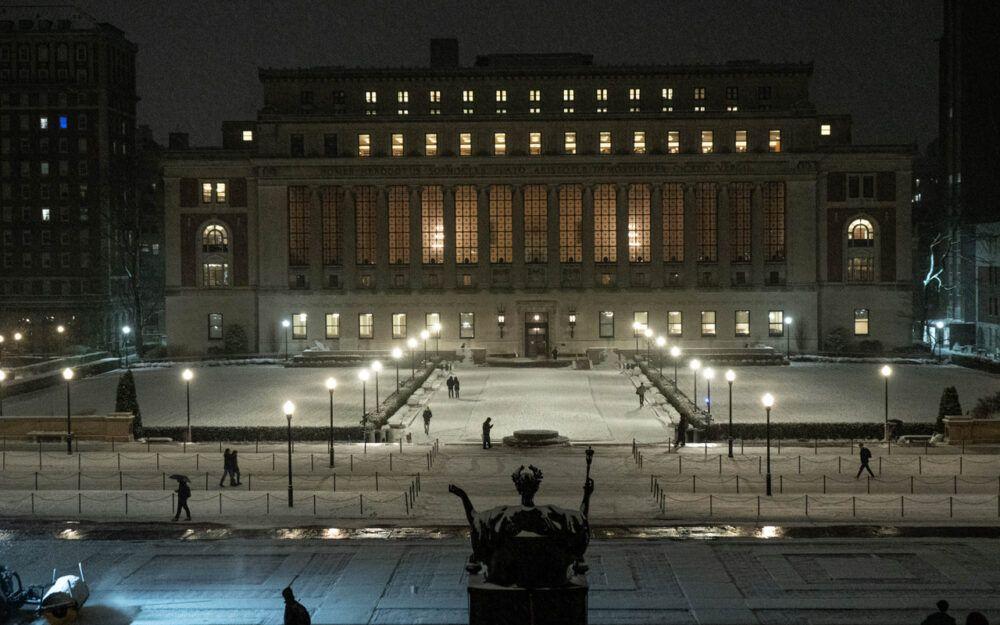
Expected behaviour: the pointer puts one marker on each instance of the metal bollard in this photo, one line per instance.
(376, 481)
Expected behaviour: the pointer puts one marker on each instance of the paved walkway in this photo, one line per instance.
(207, 579)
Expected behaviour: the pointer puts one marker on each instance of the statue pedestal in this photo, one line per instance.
(490, 604)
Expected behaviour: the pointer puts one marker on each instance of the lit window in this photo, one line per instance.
(740, 143)
(465, 144)
(732, 108)
(861, 269)
(606, 324)
(742, 323)
(604, 146)
(774, 141)
(333, 325)
(825, 130)
(467, 325)
(468, 98)
(435, 97)
(220, 192)
(299, 327)
(634, 95)
(673, 142)
(43, 123)
(776, 323)
(699, 93)
(569, 142)
(214, 326)
(534, 97)
(699, 109)
(43, 168)
(860, 233)
(247, 135)
(430, 144)
(569, 97)
(534, 143)
(402, 102)
(364, 145)
(601, 95)
(675, 325)
(397, 144)
(399, 325)
(432, 321)
(64, 122)
(640, 321)
(667, 95)
(46, 214)
(371, 100)
(860, 322)
(639, 142)
(708, 323)
(707, 142)
(206, 192)
(366, 325)
(501, 99)
(499, 143)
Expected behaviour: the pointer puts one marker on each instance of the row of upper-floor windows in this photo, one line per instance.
(44, 237)
(63, 191)
(536, 143)
(46, 260)
(59, 52)
(568, 99)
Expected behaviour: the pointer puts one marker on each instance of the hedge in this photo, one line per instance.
(249, 434)
(813, 431)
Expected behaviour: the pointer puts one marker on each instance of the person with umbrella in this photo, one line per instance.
(295, 612)
(183, 494)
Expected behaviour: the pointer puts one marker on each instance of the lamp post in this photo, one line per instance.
(331, 385)
(412, 345)
(424, 335)
(285, 323)
(709, 374)
(3, 376)
(396, 355)
(660, 342)
(18, 337)
(675, 353)
(788, 337)
(2, 339)
(363, 375)
(289, 409)
(376, 367)
(126, 330)
(436, 329)
(572, 323)
(648, 332)
(187, 376)
(695, 364)
(61, 331)
(501, 321)
(886, 371)
(938, 338)
(730, 377)
(67, 375)
(768, 401)
(636, 330)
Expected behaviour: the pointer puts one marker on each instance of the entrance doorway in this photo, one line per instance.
(536, 335)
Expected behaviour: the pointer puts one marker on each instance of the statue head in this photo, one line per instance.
(527, 481)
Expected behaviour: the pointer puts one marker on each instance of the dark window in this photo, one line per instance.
(764, 92)
(732, 93)
(330, 145)
(296, 145)
(306, 98)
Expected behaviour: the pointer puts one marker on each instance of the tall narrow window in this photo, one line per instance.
(569, 98)
(534, 143)
(673, 222)
(534, 100)
(774, 141)
(397, 144)
(465, 144)
(300, 328)
(705, 201)
(860, 322)
(606, 324)
(570, 217)
(773, 199)
(667, 99)
(430, 144)
(673, 142)
(536, 224)
(371, 102)
(640, 321)
(468, 102)
(215, 256)
(501, 101)
(402, 102)
(604, 146)
(638, 223)
(569, 143)
(333, 325)
(740, 141)
(601, 96)
(220, 192)
(431, 321)
(432, 225)
(708, 323)
(399, 325)
(739, 221)
(742, 323)
(634, 96)
(467, 325)
(399, 225)
(675, 323)
(366, 326)
(501, 224)
(639, 142)
(707, 142)
(298, 226)
(364, 145)
(330, 201)
(776, 323)
(206, 190)
(499, 143)
(364, 225)
(605, 224)
(466, 225)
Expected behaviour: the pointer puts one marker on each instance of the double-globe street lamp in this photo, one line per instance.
(695, 365)
(364, 375)
(730, 378)
(331, 385)
(709, 374)
(67, 375)
(289, 409)
(768, 401)
(675, 353)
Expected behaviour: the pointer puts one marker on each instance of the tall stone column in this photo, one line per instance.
(448, 272)
(757, 236)
(552, 273)
(722, 234)
(587, 227)
(315, 239)
(656, 235)
(382, 276)
(349, 280)
(416, 251)
(621, 233)
(483, 234)
(690, 277)
(517, 262)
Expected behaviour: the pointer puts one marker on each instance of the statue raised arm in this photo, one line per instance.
(466, 503)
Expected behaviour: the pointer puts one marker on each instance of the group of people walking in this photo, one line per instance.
(454, 386)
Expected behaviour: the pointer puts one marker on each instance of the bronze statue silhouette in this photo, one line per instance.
(528, 545)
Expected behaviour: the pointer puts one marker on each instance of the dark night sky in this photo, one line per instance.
(875, 59)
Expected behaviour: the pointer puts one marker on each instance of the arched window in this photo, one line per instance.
(215, 258)
(860, 233)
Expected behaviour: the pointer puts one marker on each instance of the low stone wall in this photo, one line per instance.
(965, 429)
(37, 382)
(113, 427)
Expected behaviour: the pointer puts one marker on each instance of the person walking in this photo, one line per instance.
(183, 494)
(458, 386)
(941, 617)
(641, 392)
(295, 612)
(487, 426)
(866, 456)
(681, 434)
(451, 386)
(227, 467)
(234, 469)
(555, 353)
(427, 420)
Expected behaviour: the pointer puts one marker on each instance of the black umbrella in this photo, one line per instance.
(180, 478)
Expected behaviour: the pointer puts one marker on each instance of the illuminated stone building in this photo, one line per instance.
(538, 201)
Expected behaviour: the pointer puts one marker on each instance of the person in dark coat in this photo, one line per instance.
(866, 456)
(295, 612)
(976, 618)
(183, 494)
(487, 426)
(941, 617)
(641, 392)
(682, 427)
(555, 353)
(458, 386)
(451, 385)
(427, 420)
(234, 469)
(227, 467)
